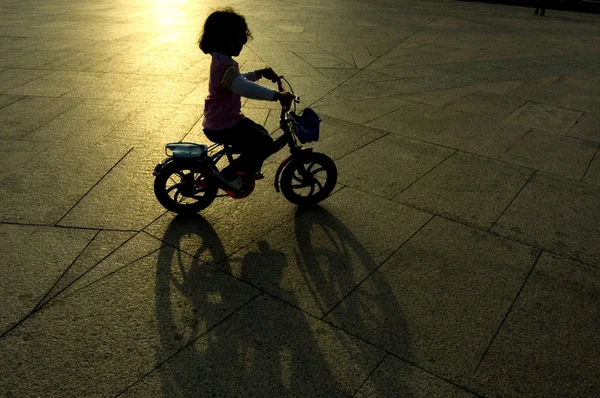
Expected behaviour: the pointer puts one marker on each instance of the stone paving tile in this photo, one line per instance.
(552, 153)
(155, 126)
(555, 214)
(586, 128)
(582, 102)
(197, 95)
(27, 59)
(28, 274)
(317, 258)
(335, 75)
(499, 88)
(585, 86)
(101, 246)
(361, 111)
(397, 378)
(267, 348)
(387, 166)
(88, 122)
(440, 98)
(544, 117)
(111, 86)
(124, 199)
(165, 92)
(14, 154)
(103, 338)
(416, 120)
(27, 114)
(442, 286)
(480, 136)
(45, 188)
(338, 138)
(547, 346)
(324, 60)
(467, 188)
(45, 87)
(490, 105)
(592, 175)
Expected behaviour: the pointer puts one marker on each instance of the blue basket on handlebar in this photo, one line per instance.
(307, 125)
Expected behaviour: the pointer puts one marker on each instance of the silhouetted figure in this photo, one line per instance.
(541, 10)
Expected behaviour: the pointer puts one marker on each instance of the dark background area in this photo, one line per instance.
(567, 5)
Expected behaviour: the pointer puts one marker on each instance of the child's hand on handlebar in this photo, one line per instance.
(285, 98)
(268, 73)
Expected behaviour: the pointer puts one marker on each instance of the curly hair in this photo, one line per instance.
(221, 27)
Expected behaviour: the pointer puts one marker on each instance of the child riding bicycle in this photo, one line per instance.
(224, 35)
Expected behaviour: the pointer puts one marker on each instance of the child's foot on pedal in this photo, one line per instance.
(236, 184)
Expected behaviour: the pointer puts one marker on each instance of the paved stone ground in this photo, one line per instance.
(458, 257)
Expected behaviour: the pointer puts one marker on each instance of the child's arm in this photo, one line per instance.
(260, 73)
(241, 84)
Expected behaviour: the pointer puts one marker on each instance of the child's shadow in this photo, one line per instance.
(331, 261)
(267, 348)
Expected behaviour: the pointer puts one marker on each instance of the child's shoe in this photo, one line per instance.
(236, 184)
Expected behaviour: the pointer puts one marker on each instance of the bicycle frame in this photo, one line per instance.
(286, 123)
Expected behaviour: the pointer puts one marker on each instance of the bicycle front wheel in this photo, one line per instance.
(308, 179)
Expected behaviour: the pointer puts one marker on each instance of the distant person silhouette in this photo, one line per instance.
(541, 9)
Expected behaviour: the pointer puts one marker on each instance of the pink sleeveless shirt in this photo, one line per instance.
(222, 108)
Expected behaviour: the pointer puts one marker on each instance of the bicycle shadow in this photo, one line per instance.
(253, 359)
(374, 309)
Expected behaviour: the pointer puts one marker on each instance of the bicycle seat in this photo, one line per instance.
(186, 150)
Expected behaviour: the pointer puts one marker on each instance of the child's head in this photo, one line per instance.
(225, 32)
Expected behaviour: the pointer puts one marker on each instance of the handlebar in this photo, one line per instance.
(280, 88)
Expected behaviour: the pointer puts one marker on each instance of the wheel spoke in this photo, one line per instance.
(173, 187)
(319, 184)
(312, 190)
(176, 196)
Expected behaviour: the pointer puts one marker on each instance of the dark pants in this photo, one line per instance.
(250, 139)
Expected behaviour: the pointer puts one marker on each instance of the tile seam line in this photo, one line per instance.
(375, 60)
(13, 102)
(77, 100)
(371, 373)
(158, 365)
(88, 270)
(491, 232)
(25, 224)
(37, 305)
(507, 313)
(93, 283)
(449, 381)
(94, 186)
(391, 354)
(65, 271)
(590, 163)
(512, 201)
(425, 174)
(408, 137)
(385, 134)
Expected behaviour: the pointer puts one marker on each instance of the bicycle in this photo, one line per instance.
(188, 179)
